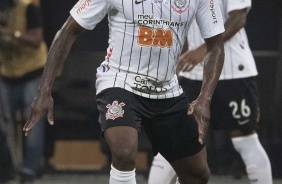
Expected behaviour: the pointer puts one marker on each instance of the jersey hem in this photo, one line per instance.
(228, 77)
(146, 95)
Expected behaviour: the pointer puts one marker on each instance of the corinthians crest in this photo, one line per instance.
(115, 110)
(180, 6)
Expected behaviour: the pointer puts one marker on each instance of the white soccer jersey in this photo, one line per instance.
(145, 41)
(239, 61)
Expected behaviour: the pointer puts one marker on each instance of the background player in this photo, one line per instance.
(235, 104)
(137, 82)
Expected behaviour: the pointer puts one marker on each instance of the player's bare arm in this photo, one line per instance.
(214, 60)
(43, 102)
(237, 20)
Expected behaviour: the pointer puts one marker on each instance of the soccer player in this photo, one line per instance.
(234, 106)
(137, 82)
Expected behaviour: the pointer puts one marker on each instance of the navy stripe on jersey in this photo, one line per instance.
(160, 52)
(132, 44)
(141, 48)
(122, 45)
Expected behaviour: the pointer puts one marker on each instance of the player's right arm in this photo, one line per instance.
(200, 108)
(85, 15)
(43, 102)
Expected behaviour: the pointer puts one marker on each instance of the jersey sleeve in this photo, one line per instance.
(209, 18)
(88, 13)
(238, 5)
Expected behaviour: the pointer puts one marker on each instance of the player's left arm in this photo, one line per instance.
(214, 60)
(211, 26)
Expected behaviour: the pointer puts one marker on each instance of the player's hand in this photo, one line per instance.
(42, 104)
(190, 59)
(200, 109)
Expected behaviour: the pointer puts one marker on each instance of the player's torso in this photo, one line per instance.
(146, 38)
(149, 32)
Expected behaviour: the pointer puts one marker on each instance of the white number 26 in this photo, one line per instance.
(245, 109)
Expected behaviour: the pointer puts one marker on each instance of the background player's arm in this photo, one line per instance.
(59, 50)
(237, 20)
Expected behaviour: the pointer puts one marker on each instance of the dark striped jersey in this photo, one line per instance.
(145, 40)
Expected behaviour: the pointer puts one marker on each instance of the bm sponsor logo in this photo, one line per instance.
(150, 37)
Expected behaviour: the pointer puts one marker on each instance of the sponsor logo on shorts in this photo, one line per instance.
(115, 110)
(243, 122)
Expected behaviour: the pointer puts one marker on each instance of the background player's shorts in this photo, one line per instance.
(235, 103)
(171, 131)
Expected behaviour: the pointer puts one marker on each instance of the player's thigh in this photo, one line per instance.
(172, 132)
(122, 141)
(117, 107)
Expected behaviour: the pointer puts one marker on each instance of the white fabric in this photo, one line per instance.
(255, 158)
(161, 171)
(146, 39)
(238, 4)
(177, 181)
(237, 50)
(122, 177)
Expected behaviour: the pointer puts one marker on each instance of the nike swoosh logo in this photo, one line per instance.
(138, 2)
(243, 122)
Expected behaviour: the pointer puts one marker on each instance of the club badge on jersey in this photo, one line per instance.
(115, 110)
(180, 6)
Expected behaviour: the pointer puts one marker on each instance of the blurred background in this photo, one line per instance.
(74, 145)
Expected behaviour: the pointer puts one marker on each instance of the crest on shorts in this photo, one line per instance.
(115, 110)
(180, 6)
